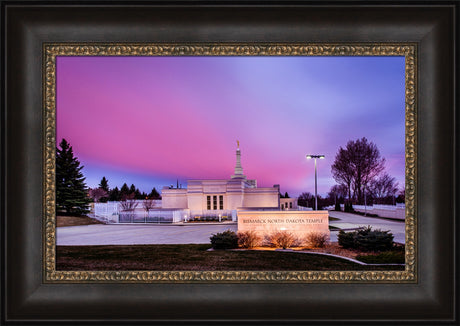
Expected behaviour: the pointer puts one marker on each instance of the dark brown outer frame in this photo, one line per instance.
(27, 25)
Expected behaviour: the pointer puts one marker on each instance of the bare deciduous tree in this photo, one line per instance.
(356, 165)
(337, 192)
(383, 187)
(128, 203)
(401, 196)
(305, 199)
(148, 204)
(97, 194)
(342, 171)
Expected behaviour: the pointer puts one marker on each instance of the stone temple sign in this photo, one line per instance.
(298, 223)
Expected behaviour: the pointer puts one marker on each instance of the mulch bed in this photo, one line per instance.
(75, 221)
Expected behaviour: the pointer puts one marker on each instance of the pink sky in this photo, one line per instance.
(153, 120)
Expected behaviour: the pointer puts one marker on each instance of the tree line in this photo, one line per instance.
(103, 193)
(72, 194)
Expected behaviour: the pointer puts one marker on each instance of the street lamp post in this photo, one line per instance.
(365, 202)
(316, 177)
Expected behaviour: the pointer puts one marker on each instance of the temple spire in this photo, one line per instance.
(238, 167)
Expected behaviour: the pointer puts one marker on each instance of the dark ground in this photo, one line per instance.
(195, 257)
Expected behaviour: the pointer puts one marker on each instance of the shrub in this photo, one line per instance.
(282, 239)
(346, 239)
(317, 239)
(249, 239)
(366, 239)
(225, 240)
(374, 240)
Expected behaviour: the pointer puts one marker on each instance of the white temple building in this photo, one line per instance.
(213, 196)
(213, 200)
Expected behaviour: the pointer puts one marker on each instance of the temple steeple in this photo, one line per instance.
(238, 167)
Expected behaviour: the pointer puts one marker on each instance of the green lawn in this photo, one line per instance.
(195, 257)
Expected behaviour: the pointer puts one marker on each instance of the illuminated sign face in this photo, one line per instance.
(277, 220)
(299, 223)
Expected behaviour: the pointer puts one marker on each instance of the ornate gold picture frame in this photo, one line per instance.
(53, 50)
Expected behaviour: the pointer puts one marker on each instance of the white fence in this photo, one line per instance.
(113, 207)
(152, 216)
(398, 211)
(383, 210)
(111, 212)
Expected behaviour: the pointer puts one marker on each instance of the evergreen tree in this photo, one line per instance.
(124, 191)
(286, 195)
(137, 194)
(71, 191)
(154, 194)
(104, 184)
(114, 194)
(132, 189)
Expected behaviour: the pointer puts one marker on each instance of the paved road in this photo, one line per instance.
(350, 221)
(99, 234)
(117, 234)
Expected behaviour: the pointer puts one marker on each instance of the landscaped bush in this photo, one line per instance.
(283, 239)
(317, 239)
(225, 240)
(387, 257)
(346, 239)
(374, 240)
(366, 239)
(249, 239)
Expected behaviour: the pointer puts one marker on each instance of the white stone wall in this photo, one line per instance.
(291, 204)
(234, 200)
(261, 197)
(174, 198)
(236, 192)
(196, 201)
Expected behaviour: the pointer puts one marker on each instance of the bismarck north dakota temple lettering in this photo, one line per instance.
(298, 223)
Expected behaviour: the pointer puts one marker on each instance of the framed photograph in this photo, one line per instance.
(211, 112)
(190, 212)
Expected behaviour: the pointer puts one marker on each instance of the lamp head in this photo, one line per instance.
(315, 156)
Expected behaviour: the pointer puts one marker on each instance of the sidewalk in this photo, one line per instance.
(353, 221)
